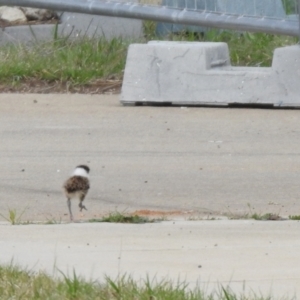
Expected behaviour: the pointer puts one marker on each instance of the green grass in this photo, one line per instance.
(117, 217)
(252, 214)
(265, 217)
(251, 49)
(53, 221)
(84, 61)
(13, 217)
(17, 283)
(295, 218)
(77, 62)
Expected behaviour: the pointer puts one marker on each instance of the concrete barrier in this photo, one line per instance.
(96, 26)
(195, 73)
(74, 25)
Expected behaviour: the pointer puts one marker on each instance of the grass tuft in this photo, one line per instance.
(117, 217)
(295, 217)
(53, 221)
(13, 216)
(62, 60)
(266, 217)
(17, 283)
(256, 216)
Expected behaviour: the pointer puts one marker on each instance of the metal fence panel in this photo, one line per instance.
(211, 13)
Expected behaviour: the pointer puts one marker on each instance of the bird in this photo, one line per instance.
(77, 186)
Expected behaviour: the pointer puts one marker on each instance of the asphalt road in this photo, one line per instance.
(205, 160)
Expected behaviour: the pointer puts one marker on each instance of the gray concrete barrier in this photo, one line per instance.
(74, 25)
(195, 73)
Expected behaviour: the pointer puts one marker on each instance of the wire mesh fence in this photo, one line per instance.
(279, 9)
(283, 10)
(270, 16)
(245, 7)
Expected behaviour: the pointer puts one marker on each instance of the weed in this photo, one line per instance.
(13, 217)
(295, 217)
(149, 28)
(73, 285)
(256, 216)
(53, 221)
(266, 217)
(199, 218)
(117, 217)
(17, 283)
(77, 62)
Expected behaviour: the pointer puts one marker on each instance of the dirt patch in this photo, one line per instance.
(37, 86)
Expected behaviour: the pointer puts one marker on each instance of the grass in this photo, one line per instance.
(117, 217)
(13, 217)
(295, 218)
(265, 217)
(84, 61)
(17, 283)
(251, 49)
(53, 221)
(252, 214)
(77, 62)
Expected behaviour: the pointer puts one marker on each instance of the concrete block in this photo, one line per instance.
(75, 25)
(26, 34)
(197, 73)
(78, 24)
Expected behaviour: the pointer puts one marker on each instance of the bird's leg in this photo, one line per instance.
(82, 206)
(80, 203)
(69, 206)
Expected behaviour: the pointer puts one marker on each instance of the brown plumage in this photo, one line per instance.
(77, 186)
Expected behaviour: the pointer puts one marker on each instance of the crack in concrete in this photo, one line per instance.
(155, 63)
(183, 55)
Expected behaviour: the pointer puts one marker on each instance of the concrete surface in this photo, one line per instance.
(249, 256)
(80, 25)
(188, 73)
(26, 34)
(208, 161)
(204, 160)
(74, 25)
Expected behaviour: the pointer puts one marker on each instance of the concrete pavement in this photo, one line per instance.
(249, 256)
(205, 160)
(199, 161)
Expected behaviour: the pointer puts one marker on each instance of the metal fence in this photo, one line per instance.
(270, 8)
(270, 16)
